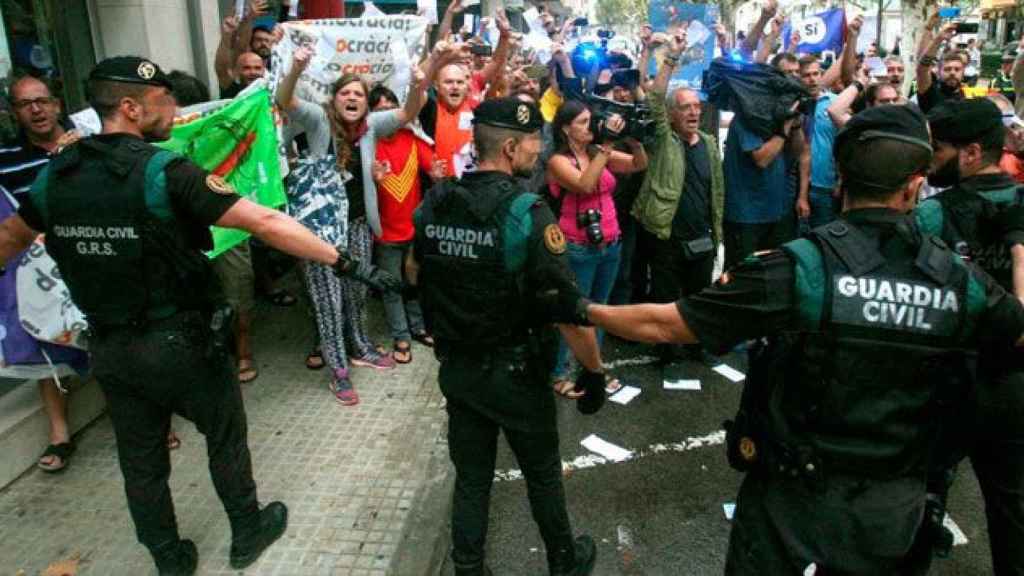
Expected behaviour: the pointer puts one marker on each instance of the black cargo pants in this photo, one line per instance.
(148, 374)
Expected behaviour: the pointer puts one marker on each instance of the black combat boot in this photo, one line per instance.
(249, 540)
(177, 558)
(577, 560)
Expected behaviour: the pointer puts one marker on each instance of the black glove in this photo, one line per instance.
(563, 307)
(366, 273)
(592, 385)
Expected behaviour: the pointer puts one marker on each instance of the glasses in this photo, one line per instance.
(41, 102)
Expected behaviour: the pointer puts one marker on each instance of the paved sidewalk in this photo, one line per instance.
(351, 477)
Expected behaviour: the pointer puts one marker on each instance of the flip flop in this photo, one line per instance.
(424, 338)
(404, 348)
(62, 451)
(247, 371)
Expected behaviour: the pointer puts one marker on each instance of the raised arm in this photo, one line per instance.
(848, 61)
(442, 55)
(924, 63)
(224, 59)
(723, 38)
(497, 64)
(753, 38)
(764, 51)
(253, 10)
(669, 62)
(285, 94)
(445, 27)
(839, 111)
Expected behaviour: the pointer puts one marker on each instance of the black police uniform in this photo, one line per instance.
(966, 216)
(126, 223)
(870, 328)
(484, 246)
(838, 456)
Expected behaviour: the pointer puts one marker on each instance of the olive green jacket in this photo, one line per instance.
(655, 205)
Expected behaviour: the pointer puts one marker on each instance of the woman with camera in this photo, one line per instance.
(581, 179)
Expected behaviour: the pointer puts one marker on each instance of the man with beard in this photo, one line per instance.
(484, 253)
(968, 137)
(248, 68)
(931, 91)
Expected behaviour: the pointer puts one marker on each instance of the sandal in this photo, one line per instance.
(405, 349)
(424, 338)
(315, 359)
(173, 442)
(247, 371)
(282, 299)
(62, 452)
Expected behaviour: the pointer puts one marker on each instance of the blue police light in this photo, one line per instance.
(736, 56)
(589, 53)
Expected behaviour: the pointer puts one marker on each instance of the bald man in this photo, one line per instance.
(248, 68)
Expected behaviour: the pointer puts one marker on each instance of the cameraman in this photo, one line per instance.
(680, 203)
(581, 180)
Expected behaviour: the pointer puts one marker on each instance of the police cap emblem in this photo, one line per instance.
(146, 70)
(523, 114)
(554, 239)
(219, 185)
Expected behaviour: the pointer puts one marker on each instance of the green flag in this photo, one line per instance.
(235, 139)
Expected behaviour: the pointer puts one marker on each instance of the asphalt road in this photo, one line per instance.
(662, 512)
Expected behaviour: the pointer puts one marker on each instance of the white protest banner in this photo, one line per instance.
(427, 9)
(364, 46)
(45, 308)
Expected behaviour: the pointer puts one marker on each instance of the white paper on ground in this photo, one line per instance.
(730, 372)
(607, 449)
(730, 510)
(625, 394)
(681, 384)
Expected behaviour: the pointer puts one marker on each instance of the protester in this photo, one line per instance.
(894, 70)
(345, 124)
(580, 177)
(932, 91)
(680, 205)
(1012, 162)
(400, 161)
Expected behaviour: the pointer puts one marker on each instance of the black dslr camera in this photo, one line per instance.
(590, 221)
(805, 105)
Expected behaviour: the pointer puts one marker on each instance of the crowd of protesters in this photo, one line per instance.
(645, 214)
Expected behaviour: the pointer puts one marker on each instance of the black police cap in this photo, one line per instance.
(130, 69)
(891, 122)
(510, 113)
(961, 122)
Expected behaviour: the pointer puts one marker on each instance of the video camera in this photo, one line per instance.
(639, 124)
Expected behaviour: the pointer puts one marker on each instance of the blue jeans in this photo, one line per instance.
(823, 207)
(595, 268)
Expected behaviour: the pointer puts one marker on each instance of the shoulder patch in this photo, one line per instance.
(554, 239)
(219, 185)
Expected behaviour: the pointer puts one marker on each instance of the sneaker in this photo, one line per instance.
(342, 388)
(247, 543)
(375, 360)
(176, 558)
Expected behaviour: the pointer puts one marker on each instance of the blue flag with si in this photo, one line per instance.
(822, 32)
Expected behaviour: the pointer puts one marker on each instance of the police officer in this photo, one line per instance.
(484, 249)
(1003, 82)
(968, 138)
(870, 324)
(126, 223)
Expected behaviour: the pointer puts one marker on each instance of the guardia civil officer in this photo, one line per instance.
(484, 249)
(126, 223)
(968, 137)
(870, 324)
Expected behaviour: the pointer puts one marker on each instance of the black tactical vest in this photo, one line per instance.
(965, 221)
(110, 228)
(886, 326)
(471, 258)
